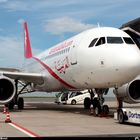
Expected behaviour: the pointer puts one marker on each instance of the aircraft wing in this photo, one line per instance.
(9, 69)
(23, 76)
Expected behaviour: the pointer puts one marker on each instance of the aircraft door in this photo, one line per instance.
(73, 55)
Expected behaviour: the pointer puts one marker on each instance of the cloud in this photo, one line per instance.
(12, 52)
(17, 5)
(2, 1)
(21, 21)
(29, 5)
(65, 24)
(79, 9)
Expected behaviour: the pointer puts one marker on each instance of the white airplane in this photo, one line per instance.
(102, 57)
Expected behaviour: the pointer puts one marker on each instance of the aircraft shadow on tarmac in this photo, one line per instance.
(75, 109)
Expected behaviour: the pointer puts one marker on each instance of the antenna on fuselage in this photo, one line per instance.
(98, 24)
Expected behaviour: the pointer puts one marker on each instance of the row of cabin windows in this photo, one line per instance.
(57, 53)
(111, 40)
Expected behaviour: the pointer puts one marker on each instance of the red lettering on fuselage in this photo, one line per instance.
(62, 65)
(60, 47)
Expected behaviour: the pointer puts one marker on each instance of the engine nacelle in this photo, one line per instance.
(130, 92)
(7, 90)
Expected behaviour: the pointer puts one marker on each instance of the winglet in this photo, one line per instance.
(27, 46)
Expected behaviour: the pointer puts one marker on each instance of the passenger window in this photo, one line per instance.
(101, 41)
(114, 40)
(93, 42)
(128, 40)
(79, 93)
(73, 94)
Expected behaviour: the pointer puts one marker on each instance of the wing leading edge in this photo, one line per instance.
(36, 78)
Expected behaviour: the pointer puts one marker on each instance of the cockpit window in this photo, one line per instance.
(114, 40)
(128, 40)
(101, 41)
(93, 42)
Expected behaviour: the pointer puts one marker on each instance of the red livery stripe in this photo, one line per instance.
(54, 74)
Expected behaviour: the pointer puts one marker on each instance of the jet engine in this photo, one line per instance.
(130, 92)
(7, 90)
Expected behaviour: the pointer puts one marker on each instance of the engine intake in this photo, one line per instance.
(7, 90)
(130, 92)
(134, 90)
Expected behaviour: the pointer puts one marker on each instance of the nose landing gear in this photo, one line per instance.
(96, 101)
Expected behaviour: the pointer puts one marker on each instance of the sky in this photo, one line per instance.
(52, 21)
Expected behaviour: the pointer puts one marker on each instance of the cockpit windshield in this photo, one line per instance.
(128, 40)
(111, 40)
(93, 42)
(101, 41)
(114, 40)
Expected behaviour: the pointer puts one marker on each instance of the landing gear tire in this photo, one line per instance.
(105, 109)
(20, 103)
(97, 110)
(120, 116)
(10, 105)
(73, 102)
(87, 103)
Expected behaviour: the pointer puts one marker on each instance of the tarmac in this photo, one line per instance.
(42, 117)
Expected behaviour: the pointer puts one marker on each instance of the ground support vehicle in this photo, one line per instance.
(131, 115)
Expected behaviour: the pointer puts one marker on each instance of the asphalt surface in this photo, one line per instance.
(41, 117)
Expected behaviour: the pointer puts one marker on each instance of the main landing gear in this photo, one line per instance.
(96, 101)
(19, 101)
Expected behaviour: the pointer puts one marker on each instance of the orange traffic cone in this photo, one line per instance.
(8, 120)
(4, 110)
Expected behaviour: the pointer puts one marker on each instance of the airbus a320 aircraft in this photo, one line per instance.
(98, 58)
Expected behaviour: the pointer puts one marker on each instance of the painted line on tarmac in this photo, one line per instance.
(24, 130)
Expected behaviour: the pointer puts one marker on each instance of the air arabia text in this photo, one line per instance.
(60, 47)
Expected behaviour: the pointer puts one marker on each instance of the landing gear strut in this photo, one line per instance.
(121, 115)
(120, 103)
